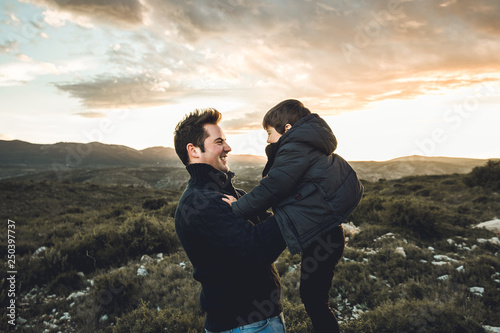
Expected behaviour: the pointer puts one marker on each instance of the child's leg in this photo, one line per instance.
(317, 268)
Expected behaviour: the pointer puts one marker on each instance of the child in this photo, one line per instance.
(311, 191)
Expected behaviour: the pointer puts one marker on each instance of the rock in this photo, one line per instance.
(141, 271)
(442, 257)
(350, 229)
(146, 259)
(401, 251)
(461, 269)
(443, 277)
(491, 329)
(21, 320)
(39, 252)
(387, 235)
(49, 325)
(182, 264)
(439, 263)
(493, 240)
(76, 294)
(477, 290)
(159, 256)
(103, 318)
(65, 316)
(492, 225)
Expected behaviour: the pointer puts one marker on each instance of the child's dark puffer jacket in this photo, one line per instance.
(310, 189)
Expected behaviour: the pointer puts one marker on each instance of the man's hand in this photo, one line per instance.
(229, 199)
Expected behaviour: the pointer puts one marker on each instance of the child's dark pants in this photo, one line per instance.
(318, 264)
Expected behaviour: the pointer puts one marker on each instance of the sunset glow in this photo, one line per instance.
(392, 77)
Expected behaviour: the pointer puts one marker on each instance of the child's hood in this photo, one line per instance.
(313, 131)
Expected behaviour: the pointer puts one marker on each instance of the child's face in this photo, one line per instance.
(272, 135)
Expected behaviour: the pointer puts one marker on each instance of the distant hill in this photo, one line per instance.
(414, 166)
(93, 162)
(19, 158)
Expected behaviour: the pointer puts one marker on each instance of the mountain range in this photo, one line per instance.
(20, 158)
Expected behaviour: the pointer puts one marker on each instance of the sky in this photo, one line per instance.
(392, 77)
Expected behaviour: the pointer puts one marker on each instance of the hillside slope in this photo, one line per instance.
(70, 161)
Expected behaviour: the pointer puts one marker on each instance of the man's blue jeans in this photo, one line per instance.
(271, 325)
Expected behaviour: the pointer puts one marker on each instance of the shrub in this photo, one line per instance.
(487, 176)
(73, 210)
(415, 187)
(352, 281)
(368, 209)
(296, 318)
(65, 283)
(169, 210)
(424, 193)
(154, 204)
(104, 248)
(144, 319)
(411, 214)
(415, 316)
(482, 199)
(369, 232)
(116, 292)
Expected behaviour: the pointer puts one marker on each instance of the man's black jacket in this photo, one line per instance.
(232, 257)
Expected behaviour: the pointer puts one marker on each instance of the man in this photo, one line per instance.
(231, 256)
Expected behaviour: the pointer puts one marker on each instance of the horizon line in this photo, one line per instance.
(166, 147)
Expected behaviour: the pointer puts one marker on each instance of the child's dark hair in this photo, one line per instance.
(190, 130)
(287, 112)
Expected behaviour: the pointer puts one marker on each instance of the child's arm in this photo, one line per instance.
(288, 168)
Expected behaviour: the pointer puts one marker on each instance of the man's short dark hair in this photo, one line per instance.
(190, 130)
(287, 112)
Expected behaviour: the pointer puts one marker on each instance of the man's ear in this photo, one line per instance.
(287, 127)
(193, 151)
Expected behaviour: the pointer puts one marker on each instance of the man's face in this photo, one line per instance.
(216, 148)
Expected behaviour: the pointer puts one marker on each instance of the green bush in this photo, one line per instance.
(487, 176)
(352, 281)
(368, 209)
(369, 232)
(108, 246)
(146, 320)
(154, 204)
(413, 215)
(116, 293)
(169, 210)
(415, 316)
(65, 283)
(296, 318)
(139, 234)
